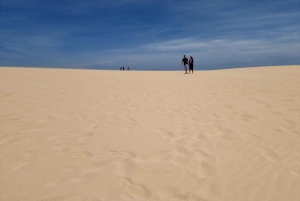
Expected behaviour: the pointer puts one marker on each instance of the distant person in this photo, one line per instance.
(191, 64)
(123, 68)
(128, 68)
(184, 62)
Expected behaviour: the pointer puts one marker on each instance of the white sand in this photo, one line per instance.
(221, 135)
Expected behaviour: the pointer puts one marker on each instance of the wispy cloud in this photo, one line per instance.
(212, 54)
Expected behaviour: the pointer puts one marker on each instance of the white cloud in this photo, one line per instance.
(207, 54)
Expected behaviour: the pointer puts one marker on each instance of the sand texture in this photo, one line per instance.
(224, 135)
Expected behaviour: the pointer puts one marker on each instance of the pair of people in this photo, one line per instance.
(189, 62)
(122, 68)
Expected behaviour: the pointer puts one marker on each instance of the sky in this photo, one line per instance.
(149, 34)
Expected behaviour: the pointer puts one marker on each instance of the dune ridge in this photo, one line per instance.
(146, 135)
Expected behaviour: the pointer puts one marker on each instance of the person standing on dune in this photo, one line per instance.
(191, 64)
(184, 62)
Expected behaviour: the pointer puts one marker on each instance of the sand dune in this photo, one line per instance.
(220, 135)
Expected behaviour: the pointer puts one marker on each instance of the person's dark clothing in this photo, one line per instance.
(185, 61)
(191, 64)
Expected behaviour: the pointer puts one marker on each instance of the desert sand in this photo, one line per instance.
(223, 135)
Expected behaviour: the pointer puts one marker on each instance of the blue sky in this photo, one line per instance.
(149, 34)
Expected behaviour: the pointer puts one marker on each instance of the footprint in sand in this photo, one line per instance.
(125, 154)
(27, 156)
(85, 137)
(98, 166)
(135, 190)
(202, 153)
(295, 169)
(154, 155)
(214, 117)
(254, 136)
(175, 194)
(182, 155)
(290, 128)
(7, 139)
(270, 155)
(248, 117)
(276, 113)
(288, 124)
(167, 134)
(225, 133)
(208, 168)
(82, 154)
(65, 177)
(202, 136)
(229, 106)
(102, 146)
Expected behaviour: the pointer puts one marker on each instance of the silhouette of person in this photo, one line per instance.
(184, 62)
(191, 64)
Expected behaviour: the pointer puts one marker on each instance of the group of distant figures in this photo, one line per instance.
(122, 68)
(189, 62)
(185, 61)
